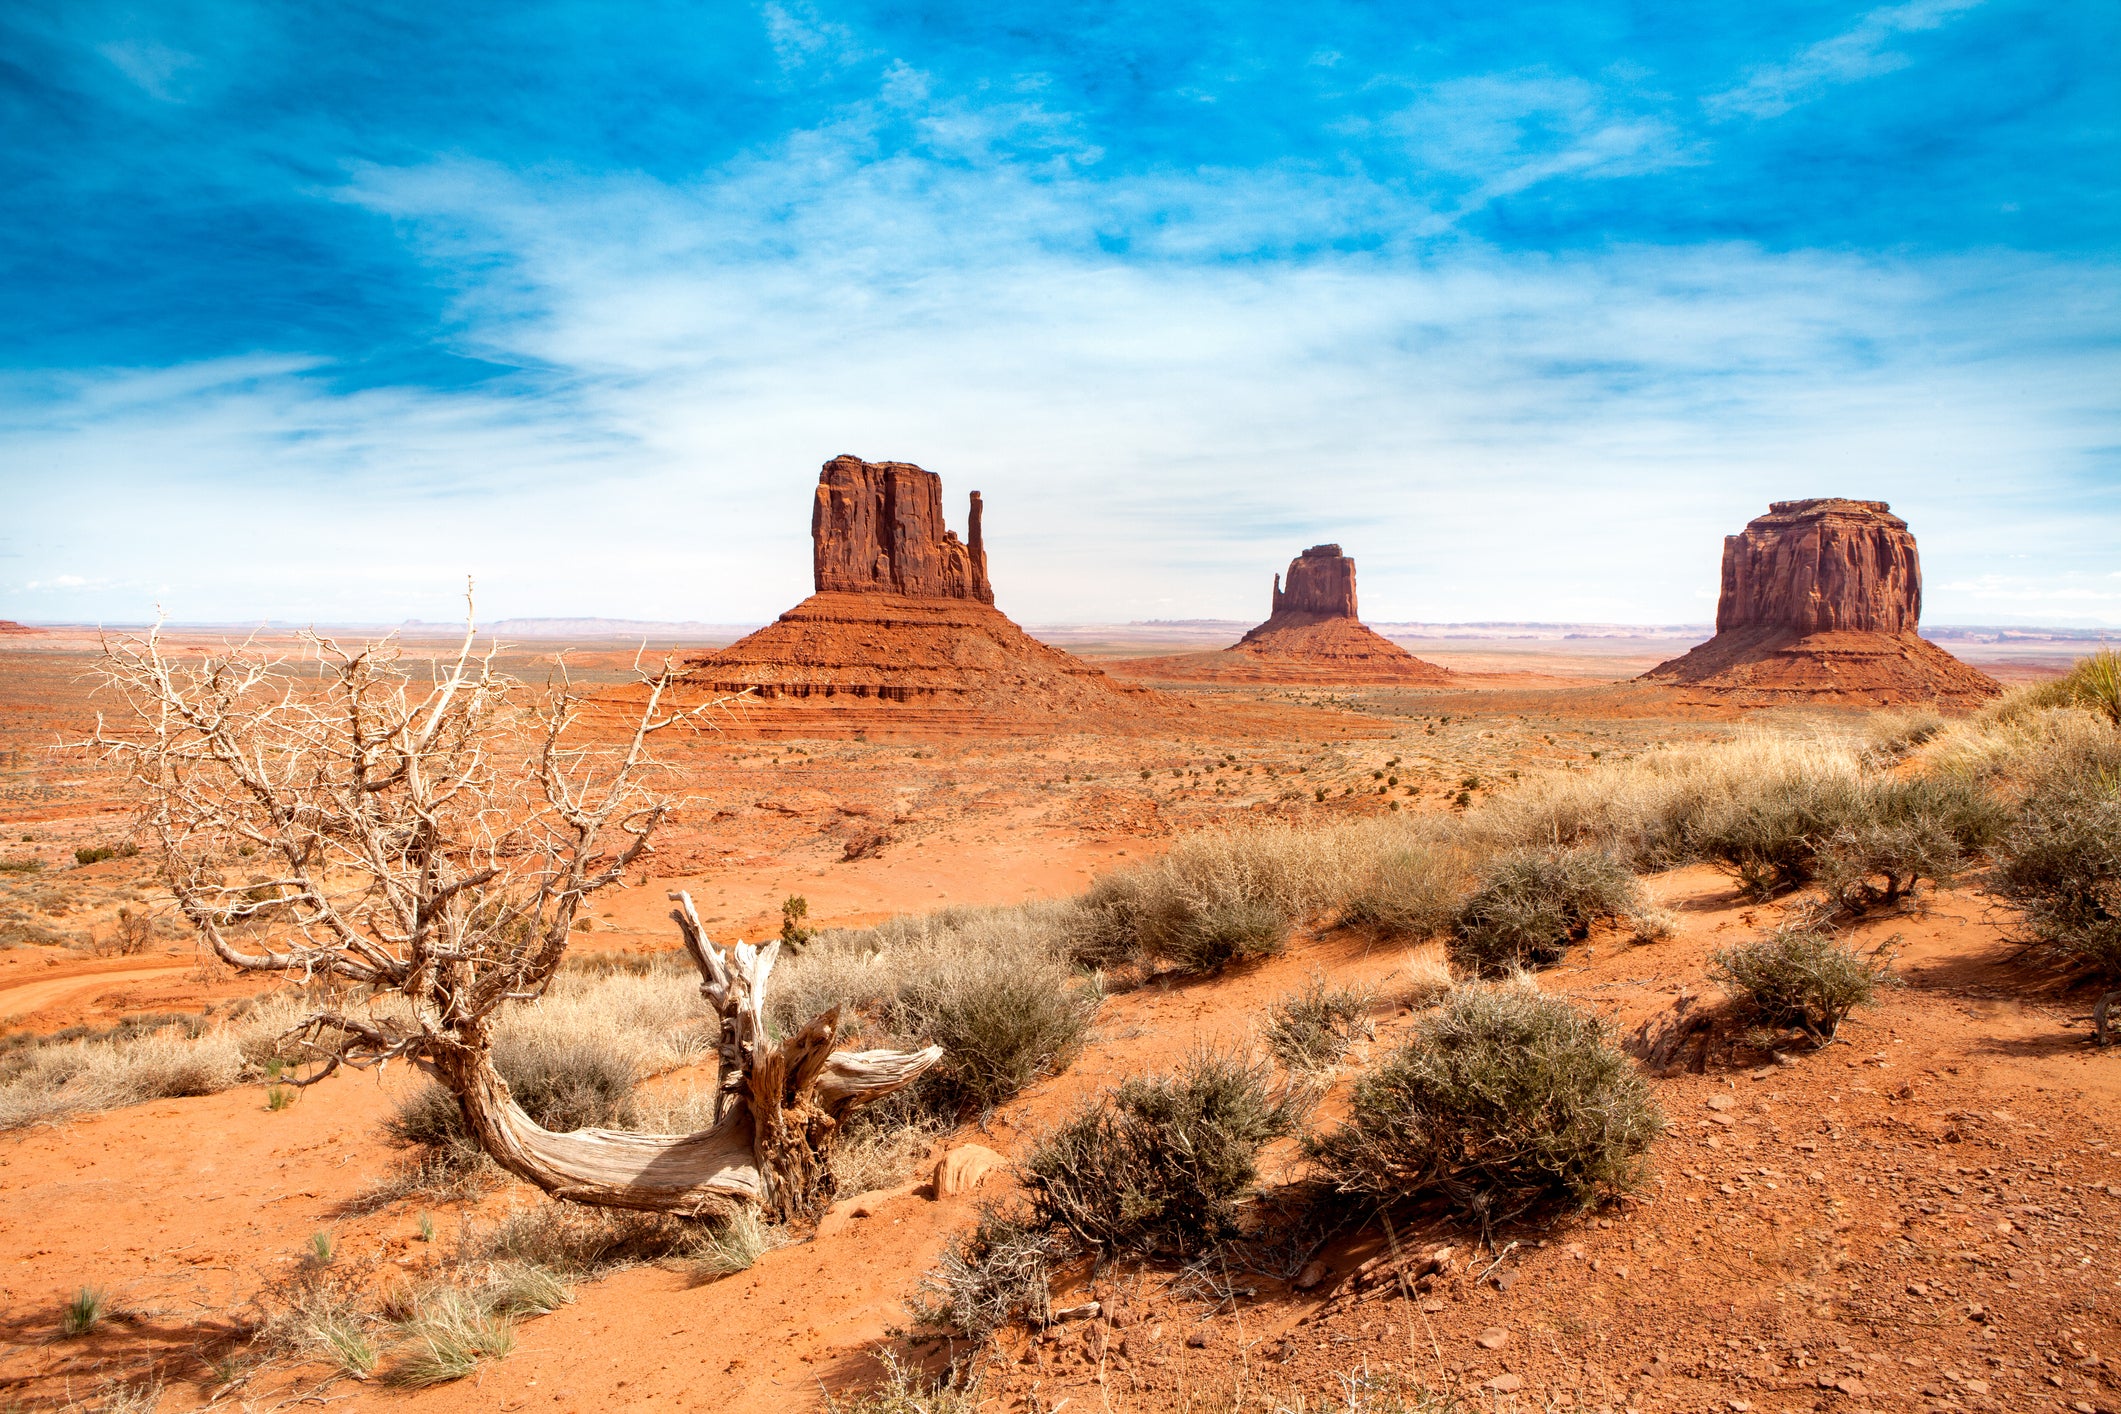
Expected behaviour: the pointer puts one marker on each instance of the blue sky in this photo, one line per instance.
(307, 311)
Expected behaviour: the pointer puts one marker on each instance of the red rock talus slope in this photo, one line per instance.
(1820, 602)
(1314, 635)
(903, 624)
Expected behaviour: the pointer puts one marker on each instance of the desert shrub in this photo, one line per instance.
(2060, 863)
(1800, 977)
(1412, 890)
(1771, 842)
(1888, 737)
(1921, 827)
(84, 1312)
(52, 1081)
(1533, 903)
(735, 1243)
(1311, 1029)
(1215, 899)
(993, 987)
(1160, 1163)
(1656, 810)
(908, 1389)
(445, 1337)
(2094, 683)
(996, 1272)
(323, 1322)
(1504, 1103)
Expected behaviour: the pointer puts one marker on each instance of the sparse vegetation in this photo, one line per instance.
(736, 1243)
(1160, 1162)
(445, 1337)
(1532, 904)
(1311, 1029)
(1411, 890)
(1504, 1103)
(1800, 977)
(84, 1312)
(998, 1271)
(993, 987)
(2060, 863)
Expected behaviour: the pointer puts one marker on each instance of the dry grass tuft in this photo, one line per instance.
(1312, 1029)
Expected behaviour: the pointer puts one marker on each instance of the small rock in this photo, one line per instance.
(1312, 1274)
(1506, 1384)
(1198, 1339)
(1852, 1387)
(1719, 1102)
(1493, 1338)
(1975, 1386)
(965, 1168)
(1077, 1313)
(1916, 1288)
(1431, 1308)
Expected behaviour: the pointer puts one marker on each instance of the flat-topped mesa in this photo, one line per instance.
(877, 528)
(1321, 582)
(1822, 566)
(1820, 603)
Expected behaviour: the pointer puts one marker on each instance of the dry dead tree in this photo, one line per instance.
(431, 837)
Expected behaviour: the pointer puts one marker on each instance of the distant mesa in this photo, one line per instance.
(903, 615)
(1313, 635)
(1820, 602)
(10, 626)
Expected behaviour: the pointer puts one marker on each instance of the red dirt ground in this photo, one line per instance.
(1924, 1216)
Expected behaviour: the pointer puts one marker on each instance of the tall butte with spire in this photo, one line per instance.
(903, 617)
(1314, 634)
(1820, 602)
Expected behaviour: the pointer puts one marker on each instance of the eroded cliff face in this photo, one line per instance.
(877, 528)
(1822, 566)
(1321, 581)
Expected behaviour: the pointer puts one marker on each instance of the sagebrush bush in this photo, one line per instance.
(1532, 904)
(2060, 863)
(1412, 891)
(1504, 1103)
(998, 1271)
(1311, 1029)
(1161, 1162)
(1800, 977)
(993, 987)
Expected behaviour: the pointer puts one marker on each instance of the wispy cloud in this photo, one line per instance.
(1864, 50)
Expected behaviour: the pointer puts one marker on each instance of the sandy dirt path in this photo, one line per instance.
(27, 998)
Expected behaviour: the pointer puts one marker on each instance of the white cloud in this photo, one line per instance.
(1865, 50)
(159, 70)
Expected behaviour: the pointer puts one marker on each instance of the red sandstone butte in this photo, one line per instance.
(1313, 635)
(903, 617)
(877, 528)
(1820, 602)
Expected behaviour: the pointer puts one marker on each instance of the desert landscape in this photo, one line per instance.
(1538, 1023)
(834, 707)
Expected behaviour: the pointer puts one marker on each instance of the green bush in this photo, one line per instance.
(1505, 1103)
(1800, 977)
(1311, 1029)
(2060, 863)
(1771, 840)
(1533, 903)
(1160, 1163)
